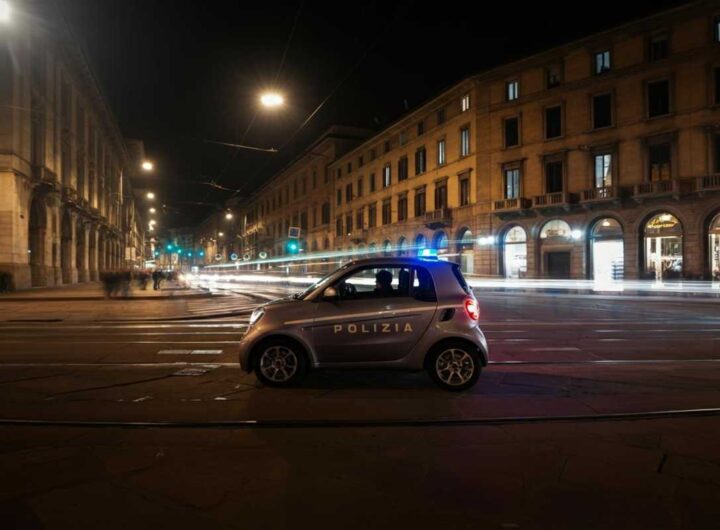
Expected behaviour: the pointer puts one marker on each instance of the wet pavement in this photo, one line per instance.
(552, 358)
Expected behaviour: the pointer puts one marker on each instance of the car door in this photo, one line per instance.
(370, 322)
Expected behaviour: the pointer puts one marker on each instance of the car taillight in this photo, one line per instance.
(472, 309)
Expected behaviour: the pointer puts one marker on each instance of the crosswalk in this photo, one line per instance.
(220, 305)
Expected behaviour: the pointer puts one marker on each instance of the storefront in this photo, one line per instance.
(465, 250)
(420, 243)
(714, 248)
(607, 250)
(556, 249)
(663, 247)
(402, 246)
(515, 253)
(441, 243)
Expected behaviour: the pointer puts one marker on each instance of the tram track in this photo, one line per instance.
(368, 423)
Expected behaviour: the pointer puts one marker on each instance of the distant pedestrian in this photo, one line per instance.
(156, 277)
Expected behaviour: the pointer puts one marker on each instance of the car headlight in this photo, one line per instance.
(256, 315)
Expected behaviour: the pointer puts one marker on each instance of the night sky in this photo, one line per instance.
(178, 72)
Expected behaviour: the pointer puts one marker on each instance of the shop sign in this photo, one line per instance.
(662, 221)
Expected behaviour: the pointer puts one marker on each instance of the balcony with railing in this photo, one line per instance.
(663, 188)
(602, 194)
(561, 199)
(438, 218)
(516, 204)
(708, 183)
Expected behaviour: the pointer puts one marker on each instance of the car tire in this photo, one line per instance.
(280, 363)
(454, 365)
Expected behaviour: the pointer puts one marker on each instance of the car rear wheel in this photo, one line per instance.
(280, 363)
(454, 366)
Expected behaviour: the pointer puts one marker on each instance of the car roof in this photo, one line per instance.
(391, 260)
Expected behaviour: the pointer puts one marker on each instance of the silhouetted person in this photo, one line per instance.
(383, 283)
(156, 276)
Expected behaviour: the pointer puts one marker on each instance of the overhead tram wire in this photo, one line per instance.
(241, 145)
(317, 109)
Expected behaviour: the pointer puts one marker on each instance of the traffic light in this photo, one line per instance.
(292, 247)
(202, 253)
(169, 247)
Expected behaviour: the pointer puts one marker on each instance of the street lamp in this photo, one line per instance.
(150, 195)
(152, 210)
(5, 11)
(147, 165)
(220, 234)
(228, 216)
(272, 100)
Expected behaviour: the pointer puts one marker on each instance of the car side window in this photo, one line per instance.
(375, 282)
(423, 286)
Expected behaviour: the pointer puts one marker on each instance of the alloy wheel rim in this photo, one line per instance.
(454, 367)
(278, 364)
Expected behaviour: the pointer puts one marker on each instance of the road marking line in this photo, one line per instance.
(569, 348)
(174, 352)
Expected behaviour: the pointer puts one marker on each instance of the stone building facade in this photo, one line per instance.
(597, 159)
(66, 205)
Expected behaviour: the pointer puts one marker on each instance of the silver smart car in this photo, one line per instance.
(402, 313)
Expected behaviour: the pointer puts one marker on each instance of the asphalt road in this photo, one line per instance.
(369, 449)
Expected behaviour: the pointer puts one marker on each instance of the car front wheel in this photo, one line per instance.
(454, 366)
(280, 363)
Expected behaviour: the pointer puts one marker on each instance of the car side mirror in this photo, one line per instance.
(330, 292)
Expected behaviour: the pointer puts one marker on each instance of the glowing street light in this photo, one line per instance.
(152, 210)
(5, 11)
(272, 100)
(228, 216)
(150, 195)
(220, 234)
(147, 165)
(153, 221)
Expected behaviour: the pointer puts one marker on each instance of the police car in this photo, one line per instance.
(401, 313)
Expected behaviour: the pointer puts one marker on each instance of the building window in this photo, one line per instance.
(420, 128)
(386, 212)
(658, 98)
(403, 137)
(465, 103)
(716, 29)
(420, 161)
(512, 132)
(361, 162)
(360, 219)
(441, 116)
(658, 47)
(372, 182)
(512, 90)
(338, 227)
(512, 183)
(372, 216)
(348, 223)
(387, 176)
(465, 141)
(349, 167)
(441, 195)
(553, 176)
(372, 154)
(716, 91)
(402, 168)
(659, 161)
(716, 156)
(553, 122)
(339, 197)
(603, 170)
(553, 76)
(338, 173)
(348, 192)
(602, 111)
(325, 213)
(304, 221)
(464, 191)
(420, 202)
(360, 187)
(386, 146)
(601, 62)
(402, 207)
(314, 179)
(441, 159)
